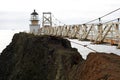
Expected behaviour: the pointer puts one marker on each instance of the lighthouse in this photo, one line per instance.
(34, 26)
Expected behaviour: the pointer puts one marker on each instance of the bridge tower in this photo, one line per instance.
(34, 26)
(47, 19)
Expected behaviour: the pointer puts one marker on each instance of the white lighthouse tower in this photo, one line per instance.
(34, 26)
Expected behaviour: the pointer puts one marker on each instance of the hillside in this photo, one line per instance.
(30, 57)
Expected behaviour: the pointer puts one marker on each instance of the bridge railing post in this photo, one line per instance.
(77, 31)
(99, 33)
(118, 33)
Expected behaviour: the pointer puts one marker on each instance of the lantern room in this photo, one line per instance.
(34, 18)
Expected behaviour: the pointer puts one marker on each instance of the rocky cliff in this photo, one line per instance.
(30, 57)
(100, 66)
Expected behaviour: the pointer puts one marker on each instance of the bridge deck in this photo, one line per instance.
(109, 32)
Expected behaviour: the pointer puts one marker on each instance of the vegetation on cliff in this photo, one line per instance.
(30, 57)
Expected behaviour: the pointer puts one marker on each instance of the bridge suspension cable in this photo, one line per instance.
(86, 46)
(118, 19)
(102, 16)
(57, 20)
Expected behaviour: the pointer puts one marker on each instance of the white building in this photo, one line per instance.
(34, 26)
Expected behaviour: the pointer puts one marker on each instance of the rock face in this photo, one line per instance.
(30, 57)
(100, 66)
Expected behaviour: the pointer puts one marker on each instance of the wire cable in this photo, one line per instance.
(84, 46)
(112, 20)
(102, 16)
(58, 20)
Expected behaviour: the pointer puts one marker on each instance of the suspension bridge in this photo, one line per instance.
(97, 33)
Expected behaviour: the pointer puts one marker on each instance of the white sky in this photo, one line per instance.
(15, 14)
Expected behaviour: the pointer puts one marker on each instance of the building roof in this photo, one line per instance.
(34, 13)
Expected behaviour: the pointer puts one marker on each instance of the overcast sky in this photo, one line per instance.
(15, 14)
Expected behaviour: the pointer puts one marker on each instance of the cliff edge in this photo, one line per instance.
(100, 66)
(30, 57)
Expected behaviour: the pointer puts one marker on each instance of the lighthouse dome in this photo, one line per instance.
(34, 13)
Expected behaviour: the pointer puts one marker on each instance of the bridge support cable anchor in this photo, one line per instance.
(100, 21)
(86, 46)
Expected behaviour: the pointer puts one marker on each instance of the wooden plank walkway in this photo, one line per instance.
(97, 33)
